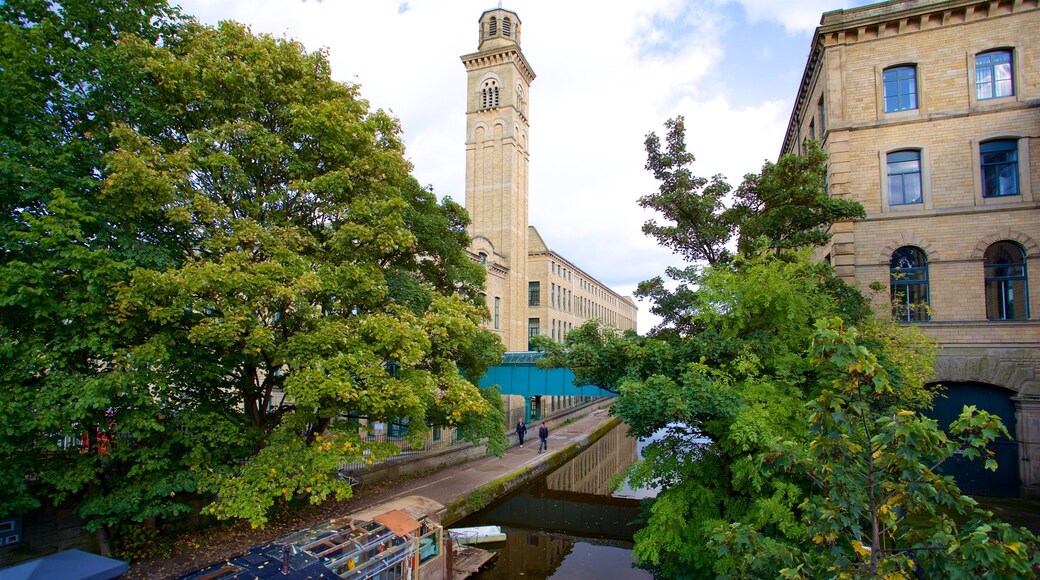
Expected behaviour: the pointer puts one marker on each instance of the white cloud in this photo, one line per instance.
(795, 16)
(605, 77)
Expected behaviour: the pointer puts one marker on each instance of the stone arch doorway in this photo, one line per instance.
(971, 475)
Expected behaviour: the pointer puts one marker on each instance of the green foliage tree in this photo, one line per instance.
(767, 462)
(696, 228)
(214, 261)
(787, 203)
(877, 506)
(63, 252)
(321, 281)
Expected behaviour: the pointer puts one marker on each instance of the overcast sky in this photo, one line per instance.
(607, 74)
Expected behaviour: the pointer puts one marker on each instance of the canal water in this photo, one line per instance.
(570, 524)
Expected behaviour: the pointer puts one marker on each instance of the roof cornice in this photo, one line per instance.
(486, 58)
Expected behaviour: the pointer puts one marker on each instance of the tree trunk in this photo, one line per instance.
(104, 546)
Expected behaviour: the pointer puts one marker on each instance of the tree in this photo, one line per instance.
(320, 282)
(783, 208)
(63, 254)
(206, 282)
(877, 506)
(787, 203)
(697, 227)
(712, 398)
(767, 459)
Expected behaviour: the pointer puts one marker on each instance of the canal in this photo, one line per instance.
(570, 523)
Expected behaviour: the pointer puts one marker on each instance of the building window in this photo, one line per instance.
(493, 26)
(483, 257)
(398, 428)
(532, 330)
(554, 329)
(498, 312)
(994, 77)
(823, 119)
(909, 280)
(904, 178)
(534, 293)
(900, 86)
(1007, 294)
(507, 25)
(999, 164)
(489, 94)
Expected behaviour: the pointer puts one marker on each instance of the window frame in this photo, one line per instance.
(895, 69)
(926, 178)
(1006, 280)
(974, 68)
(914, 311)
(534, 293)
(984, 165)
(902, 175)
(1025, 191)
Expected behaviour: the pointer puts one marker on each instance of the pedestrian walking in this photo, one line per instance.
(543, 438)
(521, 430)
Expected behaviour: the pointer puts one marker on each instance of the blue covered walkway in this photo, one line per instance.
(518, 375)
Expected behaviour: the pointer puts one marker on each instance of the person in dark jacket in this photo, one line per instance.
(521, 430)
(543, 438)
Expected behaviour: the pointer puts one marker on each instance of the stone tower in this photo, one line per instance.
(498, 84)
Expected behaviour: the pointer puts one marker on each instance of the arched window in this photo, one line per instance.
(908, 276)
(493, 26)
(489, 94)
(507, 26)
(1007, 294)
(483, 257)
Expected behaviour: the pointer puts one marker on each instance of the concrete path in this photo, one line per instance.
(452, 485)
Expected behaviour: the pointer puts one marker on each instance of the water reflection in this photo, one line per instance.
(593, 470)
(570, 523)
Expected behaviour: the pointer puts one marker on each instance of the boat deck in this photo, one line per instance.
(468, 560)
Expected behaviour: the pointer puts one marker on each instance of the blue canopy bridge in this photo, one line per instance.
(519, 375)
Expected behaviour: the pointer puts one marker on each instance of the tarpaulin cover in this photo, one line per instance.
(68, 565)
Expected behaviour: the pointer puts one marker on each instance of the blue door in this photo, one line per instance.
(971, 476)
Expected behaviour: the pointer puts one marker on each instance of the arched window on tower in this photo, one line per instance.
(493, 26)
(489, 94)
(507, 26)
(521, 103)
(909, 282)
(1007, 294)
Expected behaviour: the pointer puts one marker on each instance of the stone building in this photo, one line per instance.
(930, 113)
(531, 290)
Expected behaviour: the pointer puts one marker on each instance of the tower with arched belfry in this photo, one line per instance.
(530, 289)
(499, 80)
